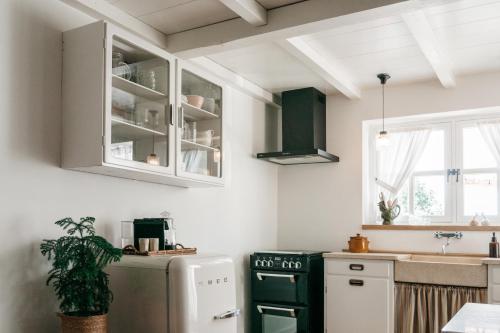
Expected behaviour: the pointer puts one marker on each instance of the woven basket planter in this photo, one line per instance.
(91, 324)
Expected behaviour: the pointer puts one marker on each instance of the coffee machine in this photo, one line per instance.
(156, 227)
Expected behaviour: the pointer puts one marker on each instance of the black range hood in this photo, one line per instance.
(303, 123)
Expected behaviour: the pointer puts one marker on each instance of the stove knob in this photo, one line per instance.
(298, 265)
(270, 263)
(264, 263)
(285, 264)
(258, 263)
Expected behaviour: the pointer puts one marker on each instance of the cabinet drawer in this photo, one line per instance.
(374, 268)
(495, 293)
(359, 305)
(495, 274)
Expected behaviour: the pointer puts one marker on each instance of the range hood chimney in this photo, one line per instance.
(304, 129)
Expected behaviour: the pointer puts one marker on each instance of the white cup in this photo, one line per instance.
(154, 244)
(205, 137)
(143, 244)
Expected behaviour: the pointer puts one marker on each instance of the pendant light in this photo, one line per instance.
(383, 139)
(152, 158)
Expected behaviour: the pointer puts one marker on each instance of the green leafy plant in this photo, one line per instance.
(389, 210)
(77, 273)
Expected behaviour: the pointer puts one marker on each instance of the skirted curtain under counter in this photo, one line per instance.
(422, 308)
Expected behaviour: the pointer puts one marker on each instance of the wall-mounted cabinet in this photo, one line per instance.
(132, 110)
(200, 124)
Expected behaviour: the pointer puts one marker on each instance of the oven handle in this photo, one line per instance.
(261, 309)
(261, 276)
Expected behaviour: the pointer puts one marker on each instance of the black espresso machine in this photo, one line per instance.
(287, 291)
(161, 228)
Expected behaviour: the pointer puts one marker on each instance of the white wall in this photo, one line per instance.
(320, 205)
(35, 192)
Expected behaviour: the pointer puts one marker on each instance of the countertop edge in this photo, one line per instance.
(390, 256)
(491, 261)
(368, 256)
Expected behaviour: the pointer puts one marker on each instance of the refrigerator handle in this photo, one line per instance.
(228, 314)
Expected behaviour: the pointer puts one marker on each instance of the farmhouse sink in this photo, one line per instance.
(446, 259)
(443, 270)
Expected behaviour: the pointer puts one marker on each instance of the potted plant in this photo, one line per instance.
(77, 275)
(388, 210)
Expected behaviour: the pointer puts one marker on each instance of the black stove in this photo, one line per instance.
(287, 291)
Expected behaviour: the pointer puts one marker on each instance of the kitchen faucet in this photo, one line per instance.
(448, 236)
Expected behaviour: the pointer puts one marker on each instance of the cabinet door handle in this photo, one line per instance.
(228, 314)
(356, 267)
(171, 116)
(357, 283)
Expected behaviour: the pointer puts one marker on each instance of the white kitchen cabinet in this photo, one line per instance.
(359, 296)
(120, 96)
(494, 284)
(201, 129)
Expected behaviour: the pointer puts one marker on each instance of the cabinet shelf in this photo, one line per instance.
(127, 130)
(194, 113)
(193, 145)
(138, 90)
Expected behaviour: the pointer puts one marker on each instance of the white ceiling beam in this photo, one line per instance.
(294, 20)
(237, 81)
(249, 10)
(421, 30)
(103, 10)
(325, 66)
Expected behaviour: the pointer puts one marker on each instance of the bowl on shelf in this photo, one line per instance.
(209, 105)
(195, 100)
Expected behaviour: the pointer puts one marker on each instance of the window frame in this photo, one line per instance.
(450, 121)
(460, 207)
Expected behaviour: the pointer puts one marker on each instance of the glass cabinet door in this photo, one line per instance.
(140, 108)
(200, 124)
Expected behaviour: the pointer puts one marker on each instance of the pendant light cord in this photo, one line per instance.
(383, 107)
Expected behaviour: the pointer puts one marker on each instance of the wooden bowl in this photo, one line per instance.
(195, 100)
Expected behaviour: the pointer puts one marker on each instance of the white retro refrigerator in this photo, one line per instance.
(173, 294)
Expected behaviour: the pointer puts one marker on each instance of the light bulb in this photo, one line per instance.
(383, 140)
(152, 159)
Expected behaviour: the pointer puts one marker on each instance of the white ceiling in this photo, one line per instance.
(170, 16)
(468, 32)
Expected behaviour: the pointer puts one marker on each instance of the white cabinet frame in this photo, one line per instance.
(87, 109)
(111, 32)
(183, 65)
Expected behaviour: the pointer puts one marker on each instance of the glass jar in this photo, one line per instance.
(127, 233)
(120, 67)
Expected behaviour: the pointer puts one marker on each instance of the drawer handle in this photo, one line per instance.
(357, 283)
(356, 267)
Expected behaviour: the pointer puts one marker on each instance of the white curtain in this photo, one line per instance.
(396, 162)
(490, 131)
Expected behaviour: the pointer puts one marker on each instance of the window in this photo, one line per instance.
(478, 192)
(455, 176)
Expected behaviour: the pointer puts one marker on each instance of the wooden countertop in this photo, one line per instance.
(370, 255)
(389, 255)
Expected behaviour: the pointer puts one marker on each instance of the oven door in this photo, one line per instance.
(282, 287)
(279, 318)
